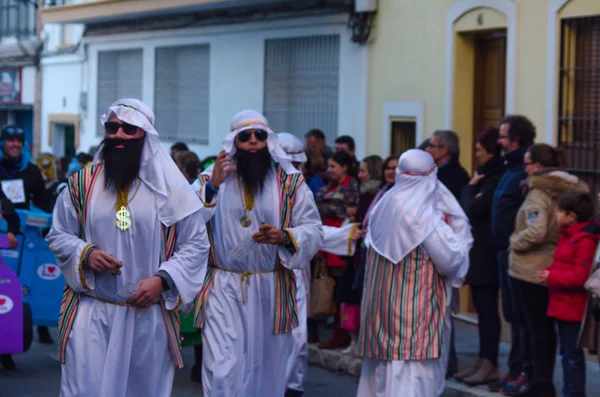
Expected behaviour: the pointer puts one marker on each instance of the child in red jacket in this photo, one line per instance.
(565, 278)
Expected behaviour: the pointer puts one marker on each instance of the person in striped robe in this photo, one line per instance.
(336, 240)
(418, 242)
(129, 237)
(263, 223)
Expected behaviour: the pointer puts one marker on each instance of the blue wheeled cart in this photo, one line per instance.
(35, 266)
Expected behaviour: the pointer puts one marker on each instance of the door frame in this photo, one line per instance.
(57, 119)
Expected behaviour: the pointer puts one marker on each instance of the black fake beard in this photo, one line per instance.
(121, 165)
(253, 168)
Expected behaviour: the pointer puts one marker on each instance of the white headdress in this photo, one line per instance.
(411, 210)
(293, 147)
(157, 170)
(252, 120)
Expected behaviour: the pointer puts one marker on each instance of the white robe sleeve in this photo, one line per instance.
(187, 265)
(209, 208)
(449, 253)
(66, 245)
(306, 231)
(338, 240)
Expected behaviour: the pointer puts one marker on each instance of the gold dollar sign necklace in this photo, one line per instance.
(123, 216)
(248, 202)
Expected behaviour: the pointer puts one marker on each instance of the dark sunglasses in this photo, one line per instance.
(112, 128)
(260, 135)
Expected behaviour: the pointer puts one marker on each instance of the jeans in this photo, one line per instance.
(485, 298)
(519, 359)
(534, 300)
(573, 359)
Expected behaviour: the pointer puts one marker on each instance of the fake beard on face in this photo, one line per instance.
(253, 168)
(121, 165)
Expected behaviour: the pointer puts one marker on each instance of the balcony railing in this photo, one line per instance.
(17, 19)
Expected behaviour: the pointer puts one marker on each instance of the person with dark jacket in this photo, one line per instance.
(517, 134)
(476, 200)
(444, 148)
(22, 183)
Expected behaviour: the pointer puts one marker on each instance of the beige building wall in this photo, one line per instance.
(408, 62)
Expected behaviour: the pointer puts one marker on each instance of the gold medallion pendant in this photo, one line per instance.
(245, 221)
(123, 219)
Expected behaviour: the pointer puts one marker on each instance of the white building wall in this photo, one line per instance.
(236, 74)
(28, 85)
(60, 91)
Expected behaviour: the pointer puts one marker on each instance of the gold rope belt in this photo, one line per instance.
(246, 276)
(112, 302)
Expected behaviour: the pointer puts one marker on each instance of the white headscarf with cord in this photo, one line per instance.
(252, 120)
(413, 208)
(157, 170)
(293, 147)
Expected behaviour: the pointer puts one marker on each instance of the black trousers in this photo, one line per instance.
(534, 299)
(519, 359)
(485, 298)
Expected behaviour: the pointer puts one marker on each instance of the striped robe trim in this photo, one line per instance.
(403, 309)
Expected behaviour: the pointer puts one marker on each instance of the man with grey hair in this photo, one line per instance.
(444, 148)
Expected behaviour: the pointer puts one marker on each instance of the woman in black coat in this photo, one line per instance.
(476, 200)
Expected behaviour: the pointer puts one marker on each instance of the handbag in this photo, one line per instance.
(322, 304)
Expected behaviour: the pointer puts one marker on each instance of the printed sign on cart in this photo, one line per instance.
(6, 304)
(49, 272)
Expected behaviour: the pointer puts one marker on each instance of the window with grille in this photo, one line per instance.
(579, 100)
(17, 18)
(181, 92)
(403, 135)
(302, 84)
(119, 76)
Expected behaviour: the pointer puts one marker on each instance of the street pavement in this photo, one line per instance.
(38, 375)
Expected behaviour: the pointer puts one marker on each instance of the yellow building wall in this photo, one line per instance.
(530, 91)
(407, 62)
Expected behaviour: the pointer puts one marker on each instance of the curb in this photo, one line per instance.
(335, 360)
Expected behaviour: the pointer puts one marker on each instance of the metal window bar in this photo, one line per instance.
(579, 99)
(17, 19)
(302, 84)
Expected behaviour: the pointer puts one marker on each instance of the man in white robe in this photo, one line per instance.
(263, 223)
(336, 240)
(129, 237)
(418, 240)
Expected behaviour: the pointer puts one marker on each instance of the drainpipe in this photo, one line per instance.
(37, 103)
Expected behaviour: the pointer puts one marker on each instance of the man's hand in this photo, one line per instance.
(268, 234)
(12, 240)
(149, 291)
(219, 172)
(542, 277)
(358, 234)
(100, 261)
(476, 179)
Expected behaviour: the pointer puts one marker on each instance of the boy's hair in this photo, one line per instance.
(579, 203)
